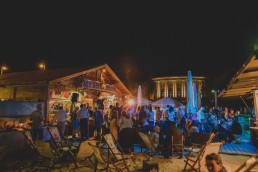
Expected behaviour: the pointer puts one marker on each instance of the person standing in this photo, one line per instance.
(151, 119)
(119, 109)
(74, 121)
(37, 123)
(98, 118)
(158, 114)
(83, 116)
(113, 124)
(60, 118)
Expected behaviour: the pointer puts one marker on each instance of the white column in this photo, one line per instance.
(199, 94)
(166, 90)
(182, 89)
(158, 89)
(175, 89)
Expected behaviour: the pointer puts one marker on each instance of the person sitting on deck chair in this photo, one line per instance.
(236, 131)
(154, 136)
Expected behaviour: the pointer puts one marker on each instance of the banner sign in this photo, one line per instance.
(98, 86)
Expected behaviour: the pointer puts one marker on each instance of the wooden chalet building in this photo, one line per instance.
(69, 87)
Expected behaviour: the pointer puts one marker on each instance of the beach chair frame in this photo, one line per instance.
(195, 154)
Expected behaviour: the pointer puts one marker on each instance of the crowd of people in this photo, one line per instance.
(159, 123)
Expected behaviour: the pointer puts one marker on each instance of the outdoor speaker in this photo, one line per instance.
(75, 97)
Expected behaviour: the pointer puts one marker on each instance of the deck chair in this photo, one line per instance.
(49, 158)
(57, 139)
(177, 144)
(83, 152)
(248, 164)
(195, 154)
(29, 140)
(3, 152)
(210, 148)
(146, 140)
(31, 144)
(100, 157)
(115, 152)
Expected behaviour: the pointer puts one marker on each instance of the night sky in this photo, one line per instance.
(137, 41)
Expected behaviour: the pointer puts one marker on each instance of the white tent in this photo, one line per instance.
(165, 101)
(144, 102)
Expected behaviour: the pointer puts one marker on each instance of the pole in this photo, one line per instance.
(245, 104)
(215, 99)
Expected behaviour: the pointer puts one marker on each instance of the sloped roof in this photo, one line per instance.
(244, 81)
(48, 76)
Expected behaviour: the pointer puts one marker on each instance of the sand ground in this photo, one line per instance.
(231, 162)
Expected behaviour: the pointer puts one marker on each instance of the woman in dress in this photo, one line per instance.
(113, 124)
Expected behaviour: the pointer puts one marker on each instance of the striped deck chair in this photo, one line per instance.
(195, 154)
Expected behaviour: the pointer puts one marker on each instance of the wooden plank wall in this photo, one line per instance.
(24, 93)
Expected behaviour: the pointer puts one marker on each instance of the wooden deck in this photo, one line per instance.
(244, 148)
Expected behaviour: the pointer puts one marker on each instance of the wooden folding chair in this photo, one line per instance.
(116, 152)
(146, 140)
(57, 139)
(100, 156)
(29, 140)
(32, 145)
(49, 158)
(248, 164)
(210, 148)
(195, 154)
(177, 144)
(84, 152)
(3, 152)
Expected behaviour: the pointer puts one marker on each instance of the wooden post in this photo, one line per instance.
(47, 98)
(14, 93)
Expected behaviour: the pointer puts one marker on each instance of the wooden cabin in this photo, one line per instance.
(69, 87)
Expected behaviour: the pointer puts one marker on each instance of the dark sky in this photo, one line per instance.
(138, 41)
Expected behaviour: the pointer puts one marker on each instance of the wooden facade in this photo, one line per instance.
(57, 87)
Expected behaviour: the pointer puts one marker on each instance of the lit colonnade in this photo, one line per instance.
(176, 87)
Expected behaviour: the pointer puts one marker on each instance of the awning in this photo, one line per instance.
(245, 81)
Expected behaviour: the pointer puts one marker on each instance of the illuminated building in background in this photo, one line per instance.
(176, 87)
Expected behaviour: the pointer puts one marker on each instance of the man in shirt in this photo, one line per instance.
(98, 118)
(60, 118)
(37, 123)
(83, 116)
